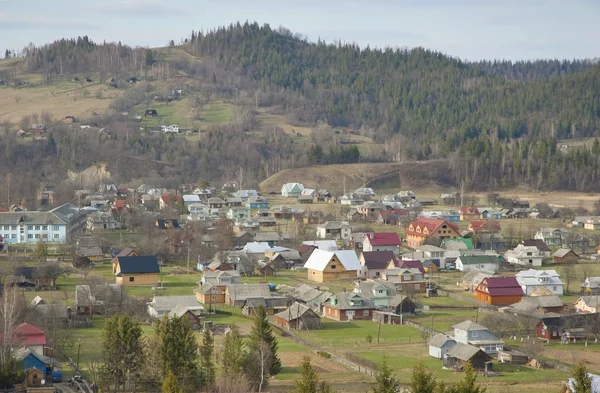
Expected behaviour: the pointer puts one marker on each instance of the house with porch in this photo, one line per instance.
(257, 202)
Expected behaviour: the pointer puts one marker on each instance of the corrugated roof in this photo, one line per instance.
(383, 238)
(138, 264)
(294, 311)
(168, 303)
(480, 259)
(439, 340)
(239, 292)
(351, 300)
(562, 252)
(503, 286)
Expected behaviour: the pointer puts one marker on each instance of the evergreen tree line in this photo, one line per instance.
(335, 155)
(417, 93)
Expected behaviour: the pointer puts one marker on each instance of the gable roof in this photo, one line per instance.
(377, 259)
(439, 340)
(345, 300)
(238, 292)
(432, 224)
(502, 286)
(468, 210)
(472, 273)
(398, 299)
(484, 225)
(541, 291)
(591, 301)
(141, 264)
(328, 245)
(460, 243)
(410, 264)
(296, 310)
(538, 243)
(528, 302)
(464, 352)
(29, 335)
(366, 288)
(562, 252)
(319, 259)
(469, 326)
(168, 303)
(383, 238)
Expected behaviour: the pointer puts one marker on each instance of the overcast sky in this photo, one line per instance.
(469, 29)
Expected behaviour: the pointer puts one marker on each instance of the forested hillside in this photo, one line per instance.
(495, 124)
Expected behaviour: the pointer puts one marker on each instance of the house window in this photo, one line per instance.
(475, 333)
(30, 227)
(365, 313)
(554, 288)
(14, 228)
(37, 227)
(6, 227)
(56, 227)
(37, 235)
(30, 236)
(45, 227)
(332, 266)
(56, 236)
(131, 279)
(14, 236)
(214, 297)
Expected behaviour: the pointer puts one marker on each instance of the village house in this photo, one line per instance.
(305, 199)
(234, 202)
(422, 229)
(284, 258)
(30, 337)
(402, 304)
(298, 317)
(553, 237)
(374, 263)
(32, 277)
(591, 286)
(89, 247)
(388, 241)
(490, 214)
(491, 263)
(311, 297)
(292, 190)
(407, 264)
(325, 266)
(461, 354)
(524, 256)
(440, 344)
(392, 216)
(221, 277)
(365, 193)
(406, 280)
(271, 304)
(313, 217)
(236, 294)
(215, 203)
(348, 306)
(246, 194)
(469, 213)
(370, 209)
(169, 200)
(532, 279)
(565, 255)
(379, 292)
(193, 317)
(540, 245)
(137, 270)
(471, 333)
(327, 245)
(322, 195)
(499, 291)
(473, 278)
(351, 200)
(536, 306)
(587, 305)
(211, 294)
(161, 306)
(232, 260)
(238, 213)
(334, 230)
(191, 199)
(101, 221)
(199, 208)
(266, 222)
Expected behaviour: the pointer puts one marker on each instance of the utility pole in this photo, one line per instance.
(188, 258)
(378, 330)
(78, 351)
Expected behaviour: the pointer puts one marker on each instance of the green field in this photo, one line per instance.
(218, 112)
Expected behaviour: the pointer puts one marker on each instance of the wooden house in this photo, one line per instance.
(187, 314)
(126, 252)
(211, 294)
(298, 317)
(402, 304)
(499, 291)
(325, 266)
(137, 270)
(272, 305)
(461, 354)
(418, 231)
(266, 270)
(469, 213)
(565, 255)
(32, 276)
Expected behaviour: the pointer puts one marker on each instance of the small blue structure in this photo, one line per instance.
(50, 367)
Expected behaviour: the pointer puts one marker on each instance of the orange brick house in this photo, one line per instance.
(424, 228)
(499, 291)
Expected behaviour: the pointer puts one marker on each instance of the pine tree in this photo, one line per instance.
(468, 384)
(263, 333)
(385, 381)
(207, 365)
(422, 381)
(171, 384)
(309, 380)
(582, 383)
(233, 352)
(122, 350)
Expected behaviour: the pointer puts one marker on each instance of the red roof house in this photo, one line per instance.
(374, 263)
(411, 265)
(469, 213)
(424, 228)
(166, 199)
(478, 226)
(29, 336)
(386, 241)
(499, 291)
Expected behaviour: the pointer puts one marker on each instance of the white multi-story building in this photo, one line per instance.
(58, 225)
(524, 256)
(531, 279)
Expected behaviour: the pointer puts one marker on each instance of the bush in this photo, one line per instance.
(324, 354)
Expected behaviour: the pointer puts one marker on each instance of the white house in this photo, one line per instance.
(531, 279)
(292, 190)
(388, 241)
(163, 305)
(189, 199)
(490, 263)
(327, 245)
(524, 256)
(173, 128)
(334, 230)
(440, 344)
(199, 208)
(58, 225)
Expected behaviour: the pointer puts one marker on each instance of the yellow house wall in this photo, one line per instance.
(139, 279)
(331, 274)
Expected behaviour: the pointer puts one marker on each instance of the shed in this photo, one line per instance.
(387, 318)
(565, 255)
(184, 312)
(461, 354)
(402, 304)
(512, 357)
(272, 305)
(298, 316)
(267, 270)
